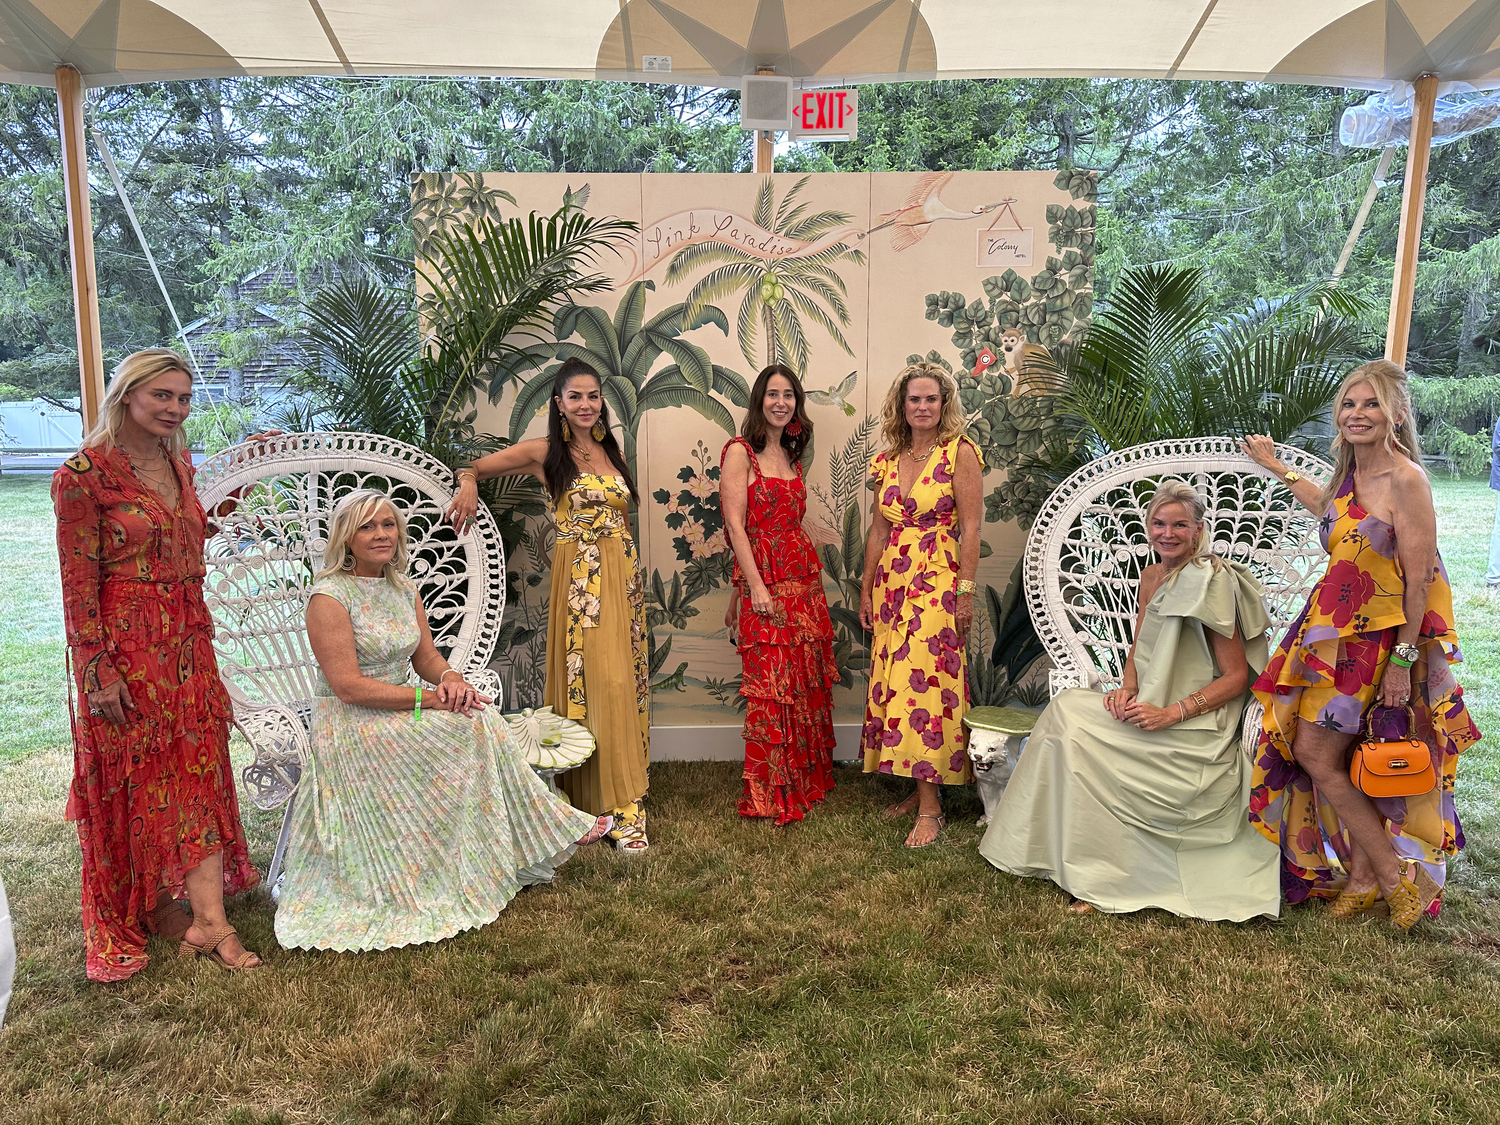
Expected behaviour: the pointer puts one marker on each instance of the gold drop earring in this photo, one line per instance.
(599, 431)
(567, 434)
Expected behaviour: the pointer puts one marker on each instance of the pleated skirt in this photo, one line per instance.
(411, 831)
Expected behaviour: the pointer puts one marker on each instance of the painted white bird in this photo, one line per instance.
(923, 207)
(548, 741)
(837, 396)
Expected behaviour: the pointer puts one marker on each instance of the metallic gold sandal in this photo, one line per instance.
(1348, 906)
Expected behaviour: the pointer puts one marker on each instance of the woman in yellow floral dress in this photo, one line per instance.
(596, 630)
(918, 593)
(1377, 630)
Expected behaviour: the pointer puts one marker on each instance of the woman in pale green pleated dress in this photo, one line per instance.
(1140, 798)
(416, 818)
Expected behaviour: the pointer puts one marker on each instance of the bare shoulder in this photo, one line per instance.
(1151, 579)
(1409, 481)
(968, 456)
(735, 456)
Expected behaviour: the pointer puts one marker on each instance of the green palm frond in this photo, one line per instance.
(632, 310)
(817, 225)
(665, 391)
(531, 400)
(790, 340)
(720, 283)
(765, 199)
(815, 312)
(745, 322)
(817, 287)
(700, 254)
(694, 363)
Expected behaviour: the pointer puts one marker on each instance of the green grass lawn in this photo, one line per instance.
(820, 973)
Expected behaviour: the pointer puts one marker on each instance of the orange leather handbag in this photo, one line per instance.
(1401, 768)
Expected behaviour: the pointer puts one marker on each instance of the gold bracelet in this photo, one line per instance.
(1200, 701)
(470, 472)
(966, 586)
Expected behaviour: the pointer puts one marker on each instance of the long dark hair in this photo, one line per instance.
(754, 429)
(559, 469)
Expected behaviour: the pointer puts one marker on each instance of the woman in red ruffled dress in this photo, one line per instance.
(785, 635)
(153, 793)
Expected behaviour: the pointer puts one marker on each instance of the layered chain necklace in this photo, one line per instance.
(156, 473)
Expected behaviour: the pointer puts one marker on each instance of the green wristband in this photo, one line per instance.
(417, 711)
(1398, 662)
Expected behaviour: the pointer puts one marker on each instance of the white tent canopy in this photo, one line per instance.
(74, 44)
(715, 42)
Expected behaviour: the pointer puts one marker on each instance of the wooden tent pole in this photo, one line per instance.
(81, 242)
(1409, 240)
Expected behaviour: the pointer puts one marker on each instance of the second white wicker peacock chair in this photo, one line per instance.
(1087, 549)
(269, 503)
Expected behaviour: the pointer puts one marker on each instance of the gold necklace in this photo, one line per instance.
(912, 453)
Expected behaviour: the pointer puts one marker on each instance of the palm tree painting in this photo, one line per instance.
(623, 350)
(777, 293)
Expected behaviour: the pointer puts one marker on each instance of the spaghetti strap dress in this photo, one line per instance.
(596, 646)
(1327, 670)
(919, 687)
(787, 655)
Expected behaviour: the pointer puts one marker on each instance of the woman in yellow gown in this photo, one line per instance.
(596, 628)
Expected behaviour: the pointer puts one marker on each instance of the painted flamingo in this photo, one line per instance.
(923, 207)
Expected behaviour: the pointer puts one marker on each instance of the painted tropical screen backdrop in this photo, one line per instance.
(846, 277)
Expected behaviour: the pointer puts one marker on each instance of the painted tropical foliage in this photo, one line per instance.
(811, 277)
(624, 349)
(776, 295)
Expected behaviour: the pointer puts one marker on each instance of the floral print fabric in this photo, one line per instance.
(787, 656)
(1327, 671)
(409, 830)
(597, 671)
(153, 797)
(919, 689)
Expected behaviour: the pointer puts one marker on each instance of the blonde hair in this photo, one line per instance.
(894, 428)
(1173, 490)
(1388, 381)
(352, 513)
(135, 370)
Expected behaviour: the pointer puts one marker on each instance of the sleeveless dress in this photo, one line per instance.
(1327, 670)
(919, 686)
(409, 830)
(596, 646)
(789, 670)
(153, 797)
(1126, 819)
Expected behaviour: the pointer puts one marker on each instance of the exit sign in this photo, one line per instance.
(825, 115)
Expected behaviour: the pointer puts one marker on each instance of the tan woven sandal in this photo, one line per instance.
(169, 920)
(1348, 906)
(1406, 904)
(210, 949)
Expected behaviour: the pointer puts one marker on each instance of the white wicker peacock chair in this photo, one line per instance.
(1087, 549)
(274, 498)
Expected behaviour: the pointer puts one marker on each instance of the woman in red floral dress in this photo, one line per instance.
(785, 635)
(152, 793)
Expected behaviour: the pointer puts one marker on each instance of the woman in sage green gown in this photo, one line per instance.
(1139, 798)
